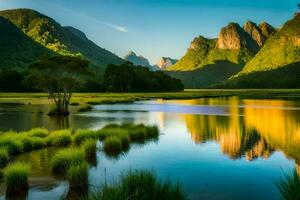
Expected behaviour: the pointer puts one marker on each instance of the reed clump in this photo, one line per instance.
(139, 185)
(16, 177)
(289, 186)
(65, 158)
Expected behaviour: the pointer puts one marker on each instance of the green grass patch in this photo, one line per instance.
(77, 175)
(13, 146)
(85, 108)
(65, 158)
(16, 176)
(89, 148)
(83, 134)
(4, 157)
(113, 145)
(139, 185)
(59, 138)
(38, 132)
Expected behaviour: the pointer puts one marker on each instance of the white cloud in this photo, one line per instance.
(116, 27)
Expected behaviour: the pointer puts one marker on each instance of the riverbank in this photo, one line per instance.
(111, 98)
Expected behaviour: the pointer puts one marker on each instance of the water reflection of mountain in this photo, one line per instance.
(250, 131)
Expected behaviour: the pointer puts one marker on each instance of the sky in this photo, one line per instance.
(155, 28)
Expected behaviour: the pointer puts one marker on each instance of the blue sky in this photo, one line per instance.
(155, 28)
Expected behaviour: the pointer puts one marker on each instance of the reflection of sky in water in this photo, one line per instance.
(217, 148)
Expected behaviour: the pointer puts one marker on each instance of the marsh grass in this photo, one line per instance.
(38, 143)
(139, 185)
(65, 158)
(27, 143)
(83, 134)
(59, 138)
(16, 176)
(85, 108)
(89, 148)
(13, 146)
(77, 175)
(4, 157)
(113, 145)
(38, 132)
(289, 186)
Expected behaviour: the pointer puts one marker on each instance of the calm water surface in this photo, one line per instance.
(217, 148)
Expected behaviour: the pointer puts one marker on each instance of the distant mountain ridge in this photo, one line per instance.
(277, 64)
(135, 59)
(139, 60)
(164, 62)
(59, 39)
(224, 56)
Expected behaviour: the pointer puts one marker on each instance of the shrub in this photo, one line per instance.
(78, 175)
(16, 176)
(60, 138)
(65, 158)
(83, 134)
(289, 186)
(38, 132)
(139, 185)
(112, 144)
(4, 157)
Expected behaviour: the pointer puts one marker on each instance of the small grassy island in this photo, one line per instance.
(77, 153)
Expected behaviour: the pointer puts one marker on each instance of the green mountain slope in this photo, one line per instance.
(282, 49)
(207, 76)
(195, 55)
(62, 40)
(17, 50)
(212, 61)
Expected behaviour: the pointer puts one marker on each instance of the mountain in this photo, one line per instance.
(165, 62)
(195, 55)
(281, 53)
(137, 60)
(213, 61)
(17, 50)
(59, 39)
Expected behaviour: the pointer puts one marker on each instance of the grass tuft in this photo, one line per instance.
(16, 176)
(38, 132)
(65, 158)
(289, 186)
(85, 108)
(59, 138)
(78, 175)
(139, 185)
(89, 148)
(13, 146)
(4, 157)
(113, 145)
(83, 134)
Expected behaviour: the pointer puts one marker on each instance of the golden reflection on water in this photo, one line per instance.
(253, 130)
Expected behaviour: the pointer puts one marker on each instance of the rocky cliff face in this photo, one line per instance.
(254, 31)
(165, 62)
(266, 29)
(233, 37)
